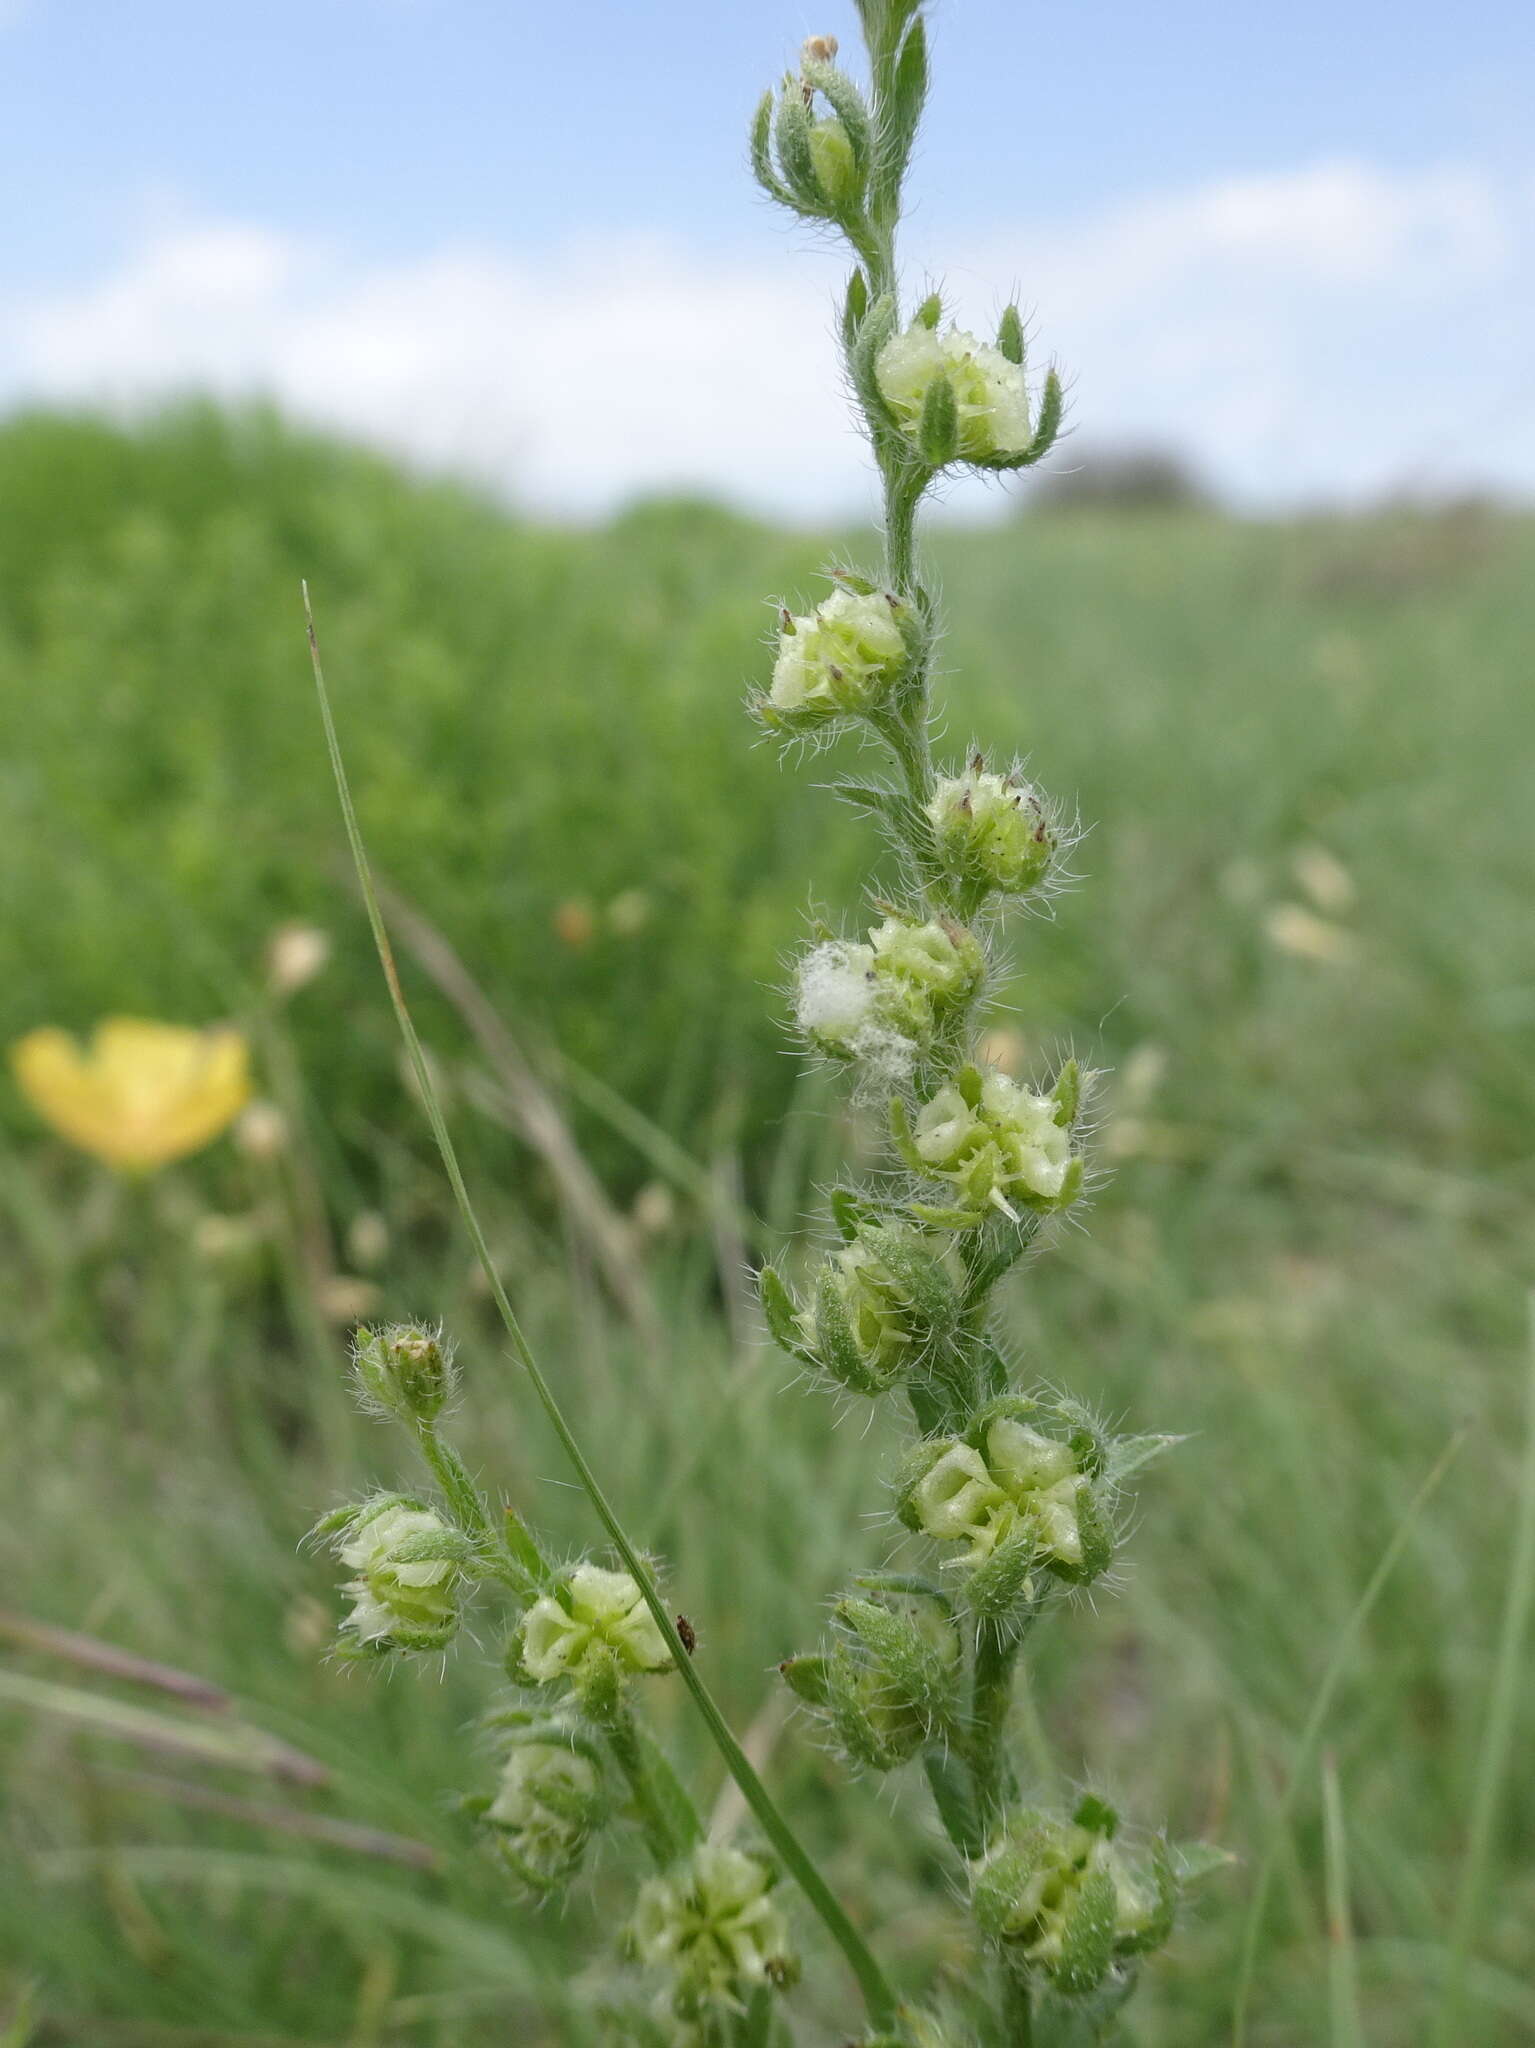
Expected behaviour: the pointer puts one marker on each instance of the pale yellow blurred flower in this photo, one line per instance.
(142, 1093)
(296, 954)
(1294, 929)
(1325, 879)
(262, 1132)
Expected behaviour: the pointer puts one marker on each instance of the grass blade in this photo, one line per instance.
(1337, 1663)
(877, 1995)
(1497, 1741)
(1342, 1968)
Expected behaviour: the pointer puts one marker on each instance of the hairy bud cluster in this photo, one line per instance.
(549, 1799)
(889, 1683)
(1001, 1145)
(593, 1631)
(882, 1002)
(1021, 1501)
(839, 661)
(992, 831)
(404, 1371)
(1060, 1897)
(880, 1301)
(715, 1928)
(408, 1567)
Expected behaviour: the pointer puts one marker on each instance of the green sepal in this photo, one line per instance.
(1157, 1927)
(791, 134)
(1193, 1862)
(1096, 1535)
(781, 1315)
(1002, 1585)
(848, 104)
(970, 1082)
(919, 1461)
(1067, 1094)
(1010, 340)
(915, 1671)
(850, 578)
(1071, 1185)
(852, 1212)
(930, 312)
(922, 1276)
(1052, 410)
(836, 1348)
(1087, 1940)
(938, 428)
(1097, 1816)
(809, 1678)
(855, 305)
(1004, 1408)
(901, 1138)
(762, 152)
(1128, 1455)
(433, 1546)
(947, 1219)
(914, 1584)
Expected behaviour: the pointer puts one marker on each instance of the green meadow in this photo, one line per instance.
(1300, 951)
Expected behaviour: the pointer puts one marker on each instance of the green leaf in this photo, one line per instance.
(523, 1549)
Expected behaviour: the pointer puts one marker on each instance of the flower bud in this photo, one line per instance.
(989, 397)
(880, 1004)
(549, 1799)
(992, 830)
(889, 1683)
(836, 167)
(840, 660)
(1001, 1144)
(404, 1370)
(408, 1565)
(713, 1926)
(879, 1302)
(593, 1630)
(1059, 1897)
(1020, 1500)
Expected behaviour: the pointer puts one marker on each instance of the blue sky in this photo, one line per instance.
(1295, 241)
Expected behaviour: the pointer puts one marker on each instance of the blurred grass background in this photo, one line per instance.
(1301, 950)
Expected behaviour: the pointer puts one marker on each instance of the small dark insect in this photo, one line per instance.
(688, 1634)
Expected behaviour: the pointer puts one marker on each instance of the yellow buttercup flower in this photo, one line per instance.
(142, 1093)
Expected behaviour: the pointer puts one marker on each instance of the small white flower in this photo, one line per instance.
(840, 658)
(404, 1604)
(607, 1609)
(991, 397)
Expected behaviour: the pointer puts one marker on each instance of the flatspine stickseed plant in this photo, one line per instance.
(1012, 1494)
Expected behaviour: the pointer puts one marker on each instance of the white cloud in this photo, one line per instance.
(1288, 331)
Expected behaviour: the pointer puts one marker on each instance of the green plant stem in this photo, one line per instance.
(1017, 2009)
(623, 1740)
(877, 1995)
(459, 1490)
(996, 1653)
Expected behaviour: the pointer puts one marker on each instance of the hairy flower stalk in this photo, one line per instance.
(1011, 1495)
